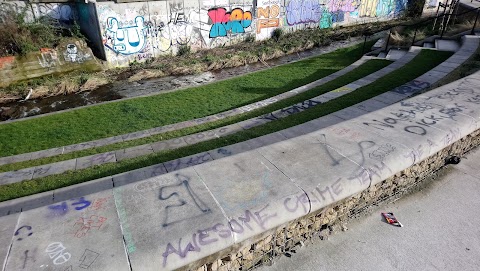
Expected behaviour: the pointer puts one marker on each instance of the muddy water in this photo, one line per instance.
(124, 89)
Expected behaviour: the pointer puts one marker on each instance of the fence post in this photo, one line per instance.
(388, 40)
(474, 24)
(414, 36)
(364, 42)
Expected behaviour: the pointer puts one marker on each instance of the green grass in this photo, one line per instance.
(357, 73)
(425, 61)
(147, 112)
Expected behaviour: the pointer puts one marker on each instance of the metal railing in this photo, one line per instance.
(443, 26)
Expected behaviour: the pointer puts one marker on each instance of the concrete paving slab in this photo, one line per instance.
(252, 192)
(394, 54)
(298, 130)
(296, 108)
(421, 83)
(336, 93)
(16, 176)
(80, 233)
(26, 203)
(96, 159)
(318, 169)
(436, 73)
(54, 168)
(187, 223)
(46, 153)
(370, 105)
(135, 135)
(442, 69)
(349, 113)
(128, 177)
(133, 152)
(229, 150)
(15, 158)
(389, 97)
(185, 124)
(188, 161)
(207, 119)
(161, 129)
(456, 59)
(265, 140)
(82, 189)
(378, 155)
(170, 144)
(325, 121)
(364, 81)
(428, 79)
(461, 96)
(263, 103)
(9, 231)
(82, 146)
(449, 64)
(155, 170)
(430, 128)
(212, 134)
(247, 124)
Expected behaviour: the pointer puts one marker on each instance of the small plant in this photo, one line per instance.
(249, 38)
(277, 34)
(184, 50)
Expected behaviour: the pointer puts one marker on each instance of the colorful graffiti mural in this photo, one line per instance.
(303, 11)
(268, 17)
(128, 39)
(137, 31)
(235, 21)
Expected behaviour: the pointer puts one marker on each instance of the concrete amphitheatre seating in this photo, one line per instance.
(422, 82)
(199, 213)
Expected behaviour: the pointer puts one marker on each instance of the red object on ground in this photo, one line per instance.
(391, 219)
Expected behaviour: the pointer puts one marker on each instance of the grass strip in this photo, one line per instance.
(357, 73)
(423, 62)
(147, 112)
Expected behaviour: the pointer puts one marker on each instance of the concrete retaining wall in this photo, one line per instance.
(70, 55)
(139, 30)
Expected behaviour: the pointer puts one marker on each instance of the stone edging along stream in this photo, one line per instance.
(270, 197)
(423, 82)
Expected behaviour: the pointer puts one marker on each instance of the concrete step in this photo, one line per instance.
(447, 45)
(428, 45)
(395, 54)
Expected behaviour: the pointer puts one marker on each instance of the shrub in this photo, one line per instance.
(184, 50)
(277, 34)
(249, 38)
(19, 36)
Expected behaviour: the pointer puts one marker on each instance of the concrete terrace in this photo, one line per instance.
(375, 103)
(223, 209)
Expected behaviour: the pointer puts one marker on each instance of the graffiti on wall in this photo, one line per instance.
(126, 40)
(234, 21)
(140, 31)
(303, 11)
(268, 16)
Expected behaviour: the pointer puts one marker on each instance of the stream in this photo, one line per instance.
(125, 89)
